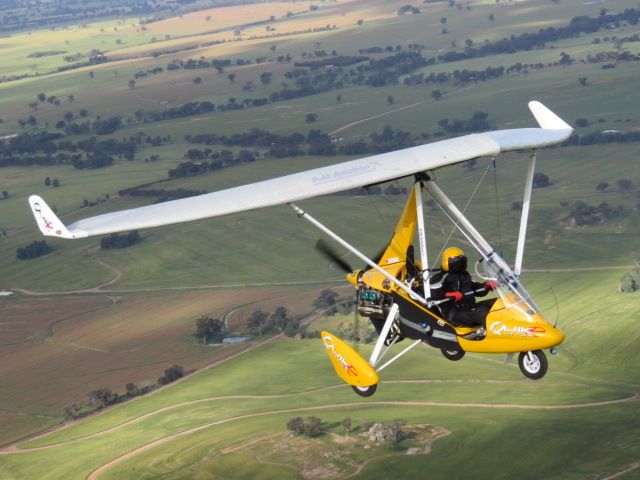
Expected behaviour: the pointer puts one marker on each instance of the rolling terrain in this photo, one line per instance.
(82, 317)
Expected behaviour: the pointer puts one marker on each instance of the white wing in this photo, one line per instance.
(316, 182)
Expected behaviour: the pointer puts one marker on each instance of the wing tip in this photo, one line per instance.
(546, 118)
(47, 221)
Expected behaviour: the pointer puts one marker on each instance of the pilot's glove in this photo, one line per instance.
(456, 296)
(491, 286)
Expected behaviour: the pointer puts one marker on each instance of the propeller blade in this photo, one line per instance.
(378, 256)
(325, 249)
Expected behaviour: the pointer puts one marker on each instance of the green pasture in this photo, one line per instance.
(595, 364)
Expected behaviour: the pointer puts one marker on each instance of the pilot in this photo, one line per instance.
(453, 282)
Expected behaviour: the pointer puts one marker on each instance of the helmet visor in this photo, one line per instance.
(458, 264)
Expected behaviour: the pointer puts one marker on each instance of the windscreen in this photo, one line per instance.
(510, 290)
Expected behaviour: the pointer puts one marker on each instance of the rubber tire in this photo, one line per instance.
(365, 391)
(542, 367)
(454, 357)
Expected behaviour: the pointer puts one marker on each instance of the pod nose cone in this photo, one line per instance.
(555, 336)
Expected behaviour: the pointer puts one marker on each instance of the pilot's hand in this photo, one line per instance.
(491, 286)
(456, 296)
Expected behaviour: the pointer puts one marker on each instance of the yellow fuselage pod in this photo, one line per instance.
(349, 364)
(512, 328)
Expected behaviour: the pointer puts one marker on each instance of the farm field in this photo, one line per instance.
(229, 404)
(82, 317)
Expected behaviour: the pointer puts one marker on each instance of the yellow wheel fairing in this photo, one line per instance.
(348, 364)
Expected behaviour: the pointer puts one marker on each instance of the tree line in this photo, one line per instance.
(103, 397)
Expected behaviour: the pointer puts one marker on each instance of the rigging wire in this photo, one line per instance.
(375, 207)
(457, 222)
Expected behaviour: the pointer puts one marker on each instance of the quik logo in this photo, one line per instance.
(329, 345)
(47, 224)
(500, 329)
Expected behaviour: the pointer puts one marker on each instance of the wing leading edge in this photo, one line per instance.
(316, 182)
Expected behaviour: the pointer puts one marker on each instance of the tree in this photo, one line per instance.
(83, 113)
(71, 411)
(346, 424)
(540, 180)
(492, 17)
(624, 184)
(41, 97)
(565, 59)
(280, 318)
(311, 117)
(71, 98)
(265, 77)
(339, 98)
(47, 182)
(326, 298)
(443, 20)
(33, 250)
(360, 22)
(313, 427)
(582, 122)
(296, 425)
(33, 106)
(627, 283)
(68, 116)
(396, 432)
(102, 397)
(197, 80)
(5, 194)
(91, 74)
(132, 84)
(171, 374)
(55, 183)
(209, 329)
(390, 100)
(232, 77)
(119, 240)
(436, 94)
(257, 321)
(132, 390)
(582, 81)
(602, 186)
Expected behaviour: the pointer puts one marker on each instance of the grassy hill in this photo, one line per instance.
(125, 315)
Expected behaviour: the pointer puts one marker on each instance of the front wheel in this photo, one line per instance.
(453, 354)
(365, 391)
(533, 364)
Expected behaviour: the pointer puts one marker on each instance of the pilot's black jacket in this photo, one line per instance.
(465, 312)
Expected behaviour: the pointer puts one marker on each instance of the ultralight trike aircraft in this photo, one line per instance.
(394, 291)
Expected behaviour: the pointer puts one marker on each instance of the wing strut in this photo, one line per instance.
(422, 240)
(526, 203)
(301, 213)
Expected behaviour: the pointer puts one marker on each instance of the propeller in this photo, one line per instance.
(325, 249)
(331, 254)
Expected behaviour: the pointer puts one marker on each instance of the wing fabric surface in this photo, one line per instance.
(321, 181)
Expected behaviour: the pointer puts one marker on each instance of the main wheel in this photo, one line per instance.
(453, 354)
(365, 391)
(533, 364)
